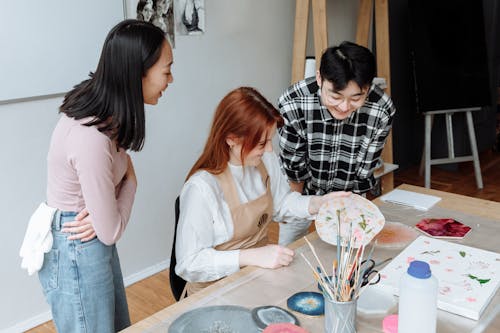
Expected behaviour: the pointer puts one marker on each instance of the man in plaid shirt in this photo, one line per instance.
(336, 124)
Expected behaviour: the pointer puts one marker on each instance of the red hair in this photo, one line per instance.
(244, 114)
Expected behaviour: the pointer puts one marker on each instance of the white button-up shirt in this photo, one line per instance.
(205, 219)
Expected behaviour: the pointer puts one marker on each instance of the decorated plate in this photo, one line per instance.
(307, 302)
(215, 319)
(284, 328)
(270, 314)
(359, 217)
(395, 235)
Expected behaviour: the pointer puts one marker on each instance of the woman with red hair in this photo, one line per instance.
(232, 193)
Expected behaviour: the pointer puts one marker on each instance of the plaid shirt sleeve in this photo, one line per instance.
(292, 143)
(365, 179)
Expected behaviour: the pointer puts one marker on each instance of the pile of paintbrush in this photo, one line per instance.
(349, 275)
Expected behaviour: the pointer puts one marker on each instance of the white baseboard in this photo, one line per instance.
(29, 323)
(46, 316)
(145, 273)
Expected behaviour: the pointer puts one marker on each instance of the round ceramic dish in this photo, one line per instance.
(376, 301)
(359, 218)
(307, 302)
(395, 235)
(267, 315)
(221, 318)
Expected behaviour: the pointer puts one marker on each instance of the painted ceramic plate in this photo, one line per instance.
(359, 217)
(307, 302)
(284, 328)
(267, 315)
(215, 319)
(395, 235)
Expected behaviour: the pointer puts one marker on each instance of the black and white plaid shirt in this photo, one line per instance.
(329, 154)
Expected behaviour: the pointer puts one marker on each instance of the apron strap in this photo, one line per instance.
(264, 175)
(226, 182)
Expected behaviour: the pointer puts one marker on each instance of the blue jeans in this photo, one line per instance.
(83, 283)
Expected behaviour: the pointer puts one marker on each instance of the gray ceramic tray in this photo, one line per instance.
(215, 319)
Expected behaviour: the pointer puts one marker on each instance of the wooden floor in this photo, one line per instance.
(153, 294)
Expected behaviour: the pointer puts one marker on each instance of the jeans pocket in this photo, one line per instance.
(94, 242)
(48, 275)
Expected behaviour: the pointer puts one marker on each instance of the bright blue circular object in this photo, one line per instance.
(307, 302)
(419, 269)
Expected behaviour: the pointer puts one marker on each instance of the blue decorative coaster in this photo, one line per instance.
(307, 302)
(270, 314)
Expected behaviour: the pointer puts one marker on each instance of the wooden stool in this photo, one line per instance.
(451, 149)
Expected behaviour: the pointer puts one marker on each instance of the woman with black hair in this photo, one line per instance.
(90, 172)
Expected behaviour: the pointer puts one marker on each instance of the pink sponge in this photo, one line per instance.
(390, 324)
(284, 328)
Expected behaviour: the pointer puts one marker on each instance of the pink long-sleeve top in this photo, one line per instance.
(86, 170)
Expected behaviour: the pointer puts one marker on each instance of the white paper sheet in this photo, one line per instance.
(412, 199)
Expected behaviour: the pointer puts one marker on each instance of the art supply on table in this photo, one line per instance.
(349, 223)
(376, 301)
(446, 228)
(390, 324)
(270, 314)
(468, 277)
(418, 289)
(395, 235)
(218, 318)
(350, 276)
(284, 328)
(368, 274)
(340, 317)
(307, 302)
(359, 217)
(412, 199)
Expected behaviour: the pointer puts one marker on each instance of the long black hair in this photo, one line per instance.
(112, 95)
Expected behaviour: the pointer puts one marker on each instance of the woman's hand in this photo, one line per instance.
(130, 174)
(81, 228)
(318, 200)
(269, 256)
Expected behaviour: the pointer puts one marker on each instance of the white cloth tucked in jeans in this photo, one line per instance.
(38, 238)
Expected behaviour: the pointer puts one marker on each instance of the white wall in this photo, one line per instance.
(341, 20)
(247, 42)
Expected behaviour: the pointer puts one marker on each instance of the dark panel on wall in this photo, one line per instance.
(408, 127)
(449, 57)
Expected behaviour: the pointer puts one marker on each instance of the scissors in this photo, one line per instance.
(368, 275)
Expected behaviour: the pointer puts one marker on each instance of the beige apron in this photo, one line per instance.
(250, 220)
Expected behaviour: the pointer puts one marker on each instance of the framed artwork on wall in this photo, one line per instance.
(189, 17)
(160, 13)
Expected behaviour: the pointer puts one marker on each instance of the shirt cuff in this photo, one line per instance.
(229, 261)
(300, 207)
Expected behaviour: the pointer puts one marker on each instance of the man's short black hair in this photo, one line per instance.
(347, 62)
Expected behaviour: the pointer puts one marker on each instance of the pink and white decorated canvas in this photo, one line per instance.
(359, 217)
(468, 277)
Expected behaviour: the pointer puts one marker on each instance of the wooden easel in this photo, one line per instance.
(364, 23)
